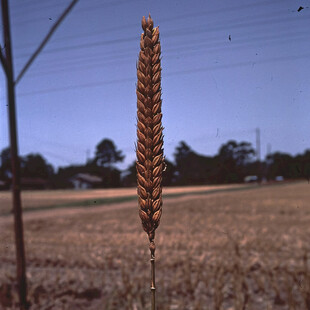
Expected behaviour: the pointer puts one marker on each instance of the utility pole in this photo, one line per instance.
(17, 207)
(258, 144)
(7, 64)
(268, 149)
(258, 154)
(87, 156)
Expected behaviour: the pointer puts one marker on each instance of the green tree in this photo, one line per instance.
(240, 153)
(169, 173)
(5, 170)
(305, 165)
(130, 178)
(107, 154)
(232, 161)
(282, 164)
(35, 166)
(191, 168)
(181, 153)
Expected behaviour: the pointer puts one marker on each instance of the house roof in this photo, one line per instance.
(33, 181)
(88, 178)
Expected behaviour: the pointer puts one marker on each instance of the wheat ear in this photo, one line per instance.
(150, 160)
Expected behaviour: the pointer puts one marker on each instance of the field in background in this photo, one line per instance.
(41, 199)
(246, 249)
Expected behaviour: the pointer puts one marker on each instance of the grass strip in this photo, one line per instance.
(113, 200)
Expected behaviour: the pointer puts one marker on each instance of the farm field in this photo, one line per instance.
(32, 200)
(242, 249)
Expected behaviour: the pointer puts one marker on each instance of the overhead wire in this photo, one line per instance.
(41, 141)
(240, 64)
(185, 52)
(179, 72)
(231, 23)
(174, 34)
(164, 20)
(22, 9)
(57, 156)
(183, 45)
(33, 2)
(191, 71)
(182, 32)
(106, 5)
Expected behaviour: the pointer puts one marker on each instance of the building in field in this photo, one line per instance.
(85, 181)
(3, 185)
(34, 183)
(251, 179)
(26, 184)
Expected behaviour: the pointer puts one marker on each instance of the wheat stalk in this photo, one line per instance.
(150, 160)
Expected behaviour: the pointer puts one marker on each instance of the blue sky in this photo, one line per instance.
(81, 88)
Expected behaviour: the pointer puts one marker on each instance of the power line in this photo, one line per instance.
(106, 5)
(181, 32)
(85, 85)
(185, 52)
(192, 45)
(108, 30)
(181, 72)
(240, 64)
(262, 22)
(52, 154)
(28, 2)
(87, 45)
(168, 19)
(45, 40)
(23, 10)
(54, 143)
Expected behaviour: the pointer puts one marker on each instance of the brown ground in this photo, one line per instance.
(38, 198)
(236, 250)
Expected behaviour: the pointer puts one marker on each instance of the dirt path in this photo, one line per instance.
(39, 199)
(50, 213)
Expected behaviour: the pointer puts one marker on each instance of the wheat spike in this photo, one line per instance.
(150, 160)
(149, 130)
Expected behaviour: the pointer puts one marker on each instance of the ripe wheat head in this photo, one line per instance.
(150, 160)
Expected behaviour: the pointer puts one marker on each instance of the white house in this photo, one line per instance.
(85, 181)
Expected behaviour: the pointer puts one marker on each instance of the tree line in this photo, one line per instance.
(233, 162)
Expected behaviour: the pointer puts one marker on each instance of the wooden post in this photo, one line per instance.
(17, 208)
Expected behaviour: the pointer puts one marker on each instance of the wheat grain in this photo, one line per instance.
(149, 131)
(150, 137)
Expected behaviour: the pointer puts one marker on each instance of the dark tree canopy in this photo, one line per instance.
(231, 164)
(191, 168)
(169, 173)
(233, 160)
(5, 156)
(282, 164)
(130, 178)
(182, 152)
(107, 154)
(35, 166)
(6, 167)
(240, 153)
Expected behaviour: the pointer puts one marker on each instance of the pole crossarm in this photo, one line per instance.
(7, 64)
(45, 40)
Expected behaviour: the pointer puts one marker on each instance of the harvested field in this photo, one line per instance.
(246, 249)
(32, 200)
